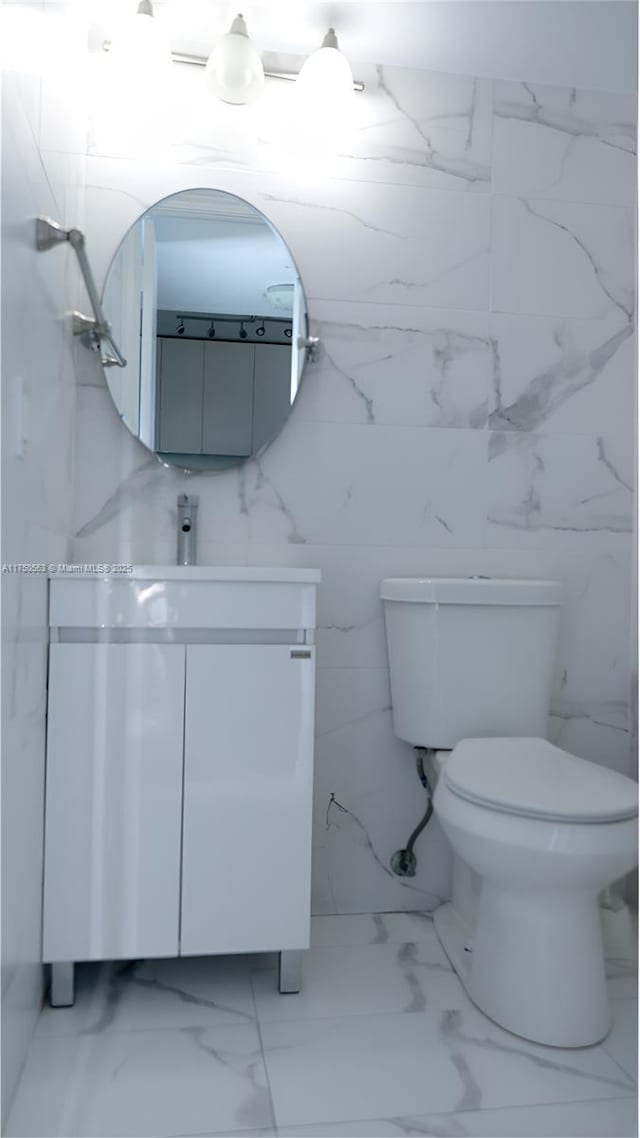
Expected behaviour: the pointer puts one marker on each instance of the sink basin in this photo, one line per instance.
(203, 573)
(224, 573)
(193, 597)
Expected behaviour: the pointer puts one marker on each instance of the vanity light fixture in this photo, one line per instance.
(234, 70)
(325, 81)
(140, 41)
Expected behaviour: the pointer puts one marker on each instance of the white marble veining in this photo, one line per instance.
(562, 258)
(559, 484)
(564, 143)
(411, 127)
(444, 1059)
(424, 129)
(390, 365)
(467, 256)
(560, 375)
(382, 1040)
(144, 1083)
(38, 409)
(407, 244)
(211, 992)
(615, 1117)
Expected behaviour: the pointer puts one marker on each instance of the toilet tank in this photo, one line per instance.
(470, 657)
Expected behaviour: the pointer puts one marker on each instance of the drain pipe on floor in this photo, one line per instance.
(403, 862)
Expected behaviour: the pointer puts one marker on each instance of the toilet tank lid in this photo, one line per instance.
(471, 591)
(531, 777)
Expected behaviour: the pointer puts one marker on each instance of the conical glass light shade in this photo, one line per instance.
(234, 70)
(140, 45)
(325, 91)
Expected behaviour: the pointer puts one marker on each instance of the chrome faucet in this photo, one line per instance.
(187, 513)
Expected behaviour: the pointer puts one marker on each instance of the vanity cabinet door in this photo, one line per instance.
(113, 801)
(247, 798)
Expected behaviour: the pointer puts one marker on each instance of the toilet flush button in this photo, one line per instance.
(468, 945)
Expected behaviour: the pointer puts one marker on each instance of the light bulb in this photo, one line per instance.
(140, 45)
(132, 99)
(234, 70)
(325, 91)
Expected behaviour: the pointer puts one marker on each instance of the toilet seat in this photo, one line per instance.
(532, 778)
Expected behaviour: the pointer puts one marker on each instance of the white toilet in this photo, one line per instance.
(536, 833)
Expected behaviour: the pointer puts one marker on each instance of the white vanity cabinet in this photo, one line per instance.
(179, 766)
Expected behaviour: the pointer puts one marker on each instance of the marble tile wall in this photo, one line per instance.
(468, 262)
(38, 418)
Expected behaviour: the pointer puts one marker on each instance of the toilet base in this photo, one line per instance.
(558, 1006)
(456, 937)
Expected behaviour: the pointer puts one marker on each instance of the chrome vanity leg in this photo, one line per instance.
(290, 970)
(61, 994)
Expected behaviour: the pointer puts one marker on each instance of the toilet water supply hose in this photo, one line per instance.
(403, 862)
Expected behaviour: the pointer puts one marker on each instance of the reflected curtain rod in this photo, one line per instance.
(181, 315)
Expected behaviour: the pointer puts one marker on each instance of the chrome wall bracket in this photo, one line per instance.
(95, 331)
(312, 346)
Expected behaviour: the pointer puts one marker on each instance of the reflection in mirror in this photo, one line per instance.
(206, 303)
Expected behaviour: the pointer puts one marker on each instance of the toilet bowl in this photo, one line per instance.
(536, 833)
(545, 832)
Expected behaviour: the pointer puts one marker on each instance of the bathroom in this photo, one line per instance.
(465, 240)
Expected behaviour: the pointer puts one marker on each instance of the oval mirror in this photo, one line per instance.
(206, 305)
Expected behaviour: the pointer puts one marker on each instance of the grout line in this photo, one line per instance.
(397, 1120)
(629, 1074)
(262, 1052)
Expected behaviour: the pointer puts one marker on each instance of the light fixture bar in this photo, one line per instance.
(201, 61)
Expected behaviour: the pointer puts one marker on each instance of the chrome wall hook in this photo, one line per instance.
(96, 331)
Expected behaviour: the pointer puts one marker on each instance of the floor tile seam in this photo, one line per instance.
(542, 1105)
(339, 1018)
(465, 1110)
(454, 1113)
(424, 1012)
(257, 1130)
(627, 1074)
(380, 913)
(83, 1033)
(384, 944)
(429, 938)
(274, 1117)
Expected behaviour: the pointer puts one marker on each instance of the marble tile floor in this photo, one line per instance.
(381, 1041)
